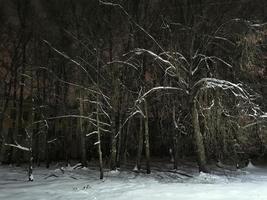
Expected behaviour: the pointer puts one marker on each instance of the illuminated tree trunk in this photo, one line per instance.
(98, 125)
(99, 144)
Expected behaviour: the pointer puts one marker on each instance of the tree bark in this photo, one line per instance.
(82, 133)
(99, 144)
(113, 143)
(98, 125)
(148, 171)
(175, 149)
(140, 144)
(119, 148)
(125, 150)
(29, 134)
(198, 139)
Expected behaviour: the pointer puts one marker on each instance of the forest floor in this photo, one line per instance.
(71, 183)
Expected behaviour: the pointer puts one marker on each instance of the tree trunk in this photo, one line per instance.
(49, 132)
(13, 133)
(140, 144)
(29, 134)
(99, 143)
(98, 125)
(175, 135)
(46, 147)
(126, 142)
(2, 117)
(198, 139)
(175, 149)
(119, 148)
(148, 171)
(113, 143)
(82, 132)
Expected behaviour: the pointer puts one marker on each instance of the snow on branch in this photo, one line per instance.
(223, 39)
(139, 51)
(18, 146)
(260, 120)
(236, 89)
(181, 57)
(205, 58)
(123, 63)
(52, 141)
(138, 111)
(92, 133)
(221, 60)
(154, 89)
(209, 107)
(132, 115)
(249, 108)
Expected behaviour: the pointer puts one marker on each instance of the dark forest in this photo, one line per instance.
(124, 83)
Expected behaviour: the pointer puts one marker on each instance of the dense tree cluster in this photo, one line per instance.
(133, 80)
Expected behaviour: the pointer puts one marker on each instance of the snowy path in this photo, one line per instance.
(251, 184)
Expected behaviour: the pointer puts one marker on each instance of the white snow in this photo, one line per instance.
(31, 177)
(264, 115)
(74, 184)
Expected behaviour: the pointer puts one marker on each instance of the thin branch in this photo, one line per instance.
(18, 147)
(133, 21)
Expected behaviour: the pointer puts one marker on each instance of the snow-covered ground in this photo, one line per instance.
(68, 183)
